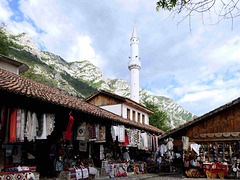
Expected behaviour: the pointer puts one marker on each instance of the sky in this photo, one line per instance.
(195, 63)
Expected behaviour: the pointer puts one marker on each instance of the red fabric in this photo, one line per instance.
(126, 140)
(69, 128)
(13, 125)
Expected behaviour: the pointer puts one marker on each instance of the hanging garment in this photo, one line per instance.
(185, 141)
(25, 123)
(69, 128)
(156, 143)
(50, 123)
(18, 128)
(195, 147)
(141, 142)
(97, 131)
(81, 131)
(153, 143)
(145, 140)
(121, 137)
(126, 142)
(42, 130)
(102, 133)
(13, 124)
(29, 126)
(114, 132)
(163, 149)
(135, 138)
(21, 139)
(131, 140)
(92, 132)
(170, 144)
(34, 126)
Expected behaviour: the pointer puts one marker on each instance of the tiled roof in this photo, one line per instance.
(124, 99)
(23, 86)
(201, 118)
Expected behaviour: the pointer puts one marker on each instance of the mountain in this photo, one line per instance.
(80, 78)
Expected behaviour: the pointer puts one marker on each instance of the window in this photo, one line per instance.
(134, 116)
(128, 113)
(139, 117)
(143, 119)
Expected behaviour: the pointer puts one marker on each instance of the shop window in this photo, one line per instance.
(139, 117)
(134, 116)
(143, 119)
(128, 113)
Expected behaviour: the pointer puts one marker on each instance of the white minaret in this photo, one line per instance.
(134, 65)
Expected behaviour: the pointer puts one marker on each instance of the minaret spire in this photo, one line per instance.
(134, 65)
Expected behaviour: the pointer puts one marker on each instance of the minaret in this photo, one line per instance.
(134, 65)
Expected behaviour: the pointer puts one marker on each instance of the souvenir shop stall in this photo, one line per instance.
(170, 156)
(109, 150)
(210, 144)
(133, 150)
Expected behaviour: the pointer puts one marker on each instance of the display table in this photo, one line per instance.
(215, 168)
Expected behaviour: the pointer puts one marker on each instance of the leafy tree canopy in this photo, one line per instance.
(213, 10)
(159, 118)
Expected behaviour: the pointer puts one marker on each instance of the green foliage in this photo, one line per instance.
(80, 86)
(52, 66)
(169, 4)
(44, 59)
(39, 78)
(159, 118)
(4, 43)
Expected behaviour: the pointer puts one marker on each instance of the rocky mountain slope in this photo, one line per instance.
(80, 78)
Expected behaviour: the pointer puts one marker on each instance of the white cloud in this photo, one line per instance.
(5, 11)
(83, 50)
(205, 101)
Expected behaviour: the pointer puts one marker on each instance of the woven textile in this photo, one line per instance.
(81, 131)
(121, 137)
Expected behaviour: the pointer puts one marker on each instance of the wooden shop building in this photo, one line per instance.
(210, 144)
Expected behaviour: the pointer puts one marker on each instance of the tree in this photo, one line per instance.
(3, 43)
(223, 9)
(159, 118)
